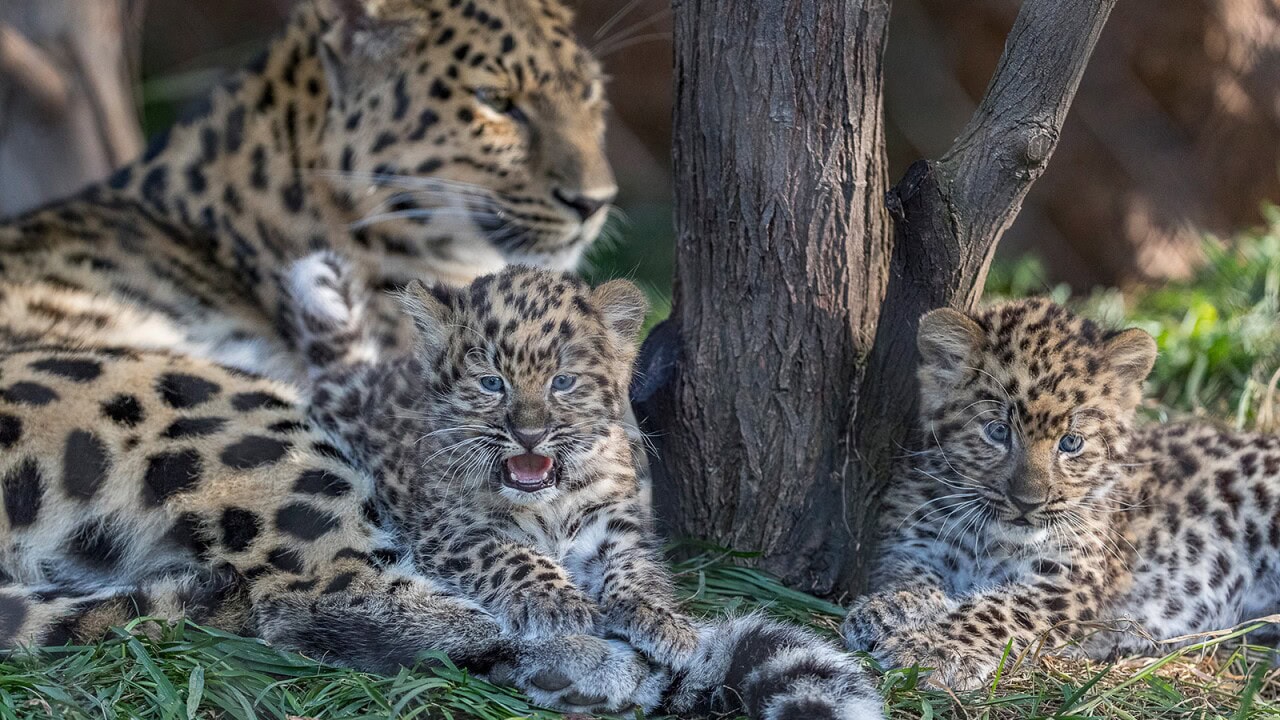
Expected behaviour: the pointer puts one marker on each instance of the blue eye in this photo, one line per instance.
(563, 382)
(1071, 444)
(492, 383)
(997, 431)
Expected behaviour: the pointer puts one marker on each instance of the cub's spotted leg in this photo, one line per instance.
(384, 621)
(964, 646)
(323, 312)
(639, 603)
(531, 593)
(34, 616)
(910, 593)
(378, 620)
(772, 671)
(624, 574)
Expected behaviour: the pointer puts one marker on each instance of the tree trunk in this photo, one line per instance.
(66, 96)
(782, 387)
(781, 245)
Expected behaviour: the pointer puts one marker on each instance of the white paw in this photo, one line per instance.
(320, 284)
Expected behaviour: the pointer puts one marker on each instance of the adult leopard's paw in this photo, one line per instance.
(550, 611)
(323, 287)
(322, 312)
(874, 618)
(585, 674)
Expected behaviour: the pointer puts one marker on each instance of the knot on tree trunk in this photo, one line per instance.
(1037, 144)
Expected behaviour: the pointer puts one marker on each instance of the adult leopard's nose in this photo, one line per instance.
(585, 204)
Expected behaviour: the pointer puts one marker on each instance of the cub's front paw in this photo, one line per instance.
(550, 611)
(874, 617)
(584, 674)
(957, 665)
(665, 635)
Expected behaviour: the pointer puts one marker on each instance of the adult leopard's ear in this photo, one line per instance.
(430, 309)
(947, 340)
(1131, 354)
(623, 307)
(361, 33)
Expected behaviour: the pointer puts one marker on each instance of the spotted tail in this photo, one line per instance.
(772, 671)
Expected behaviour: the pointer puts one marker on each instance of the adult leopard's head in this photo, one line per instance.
(526, 376)
(1025, 407)
(467, 118)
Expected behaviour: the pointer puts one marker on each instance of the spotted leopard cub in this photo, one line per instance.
(503, 461)
(1036, 512)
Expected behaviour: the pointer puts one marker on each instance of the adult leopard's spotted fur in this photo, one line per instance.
(422, 138)
(1035, 511)
(503, 462)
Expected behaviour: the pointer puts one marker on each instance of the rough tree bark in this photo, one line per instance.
(66, 96)
(781, 389)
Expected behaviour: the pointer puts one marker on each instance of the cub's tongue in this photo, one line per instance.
(529, 469)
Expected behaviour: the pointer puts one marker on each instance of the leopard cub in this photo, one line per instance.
(1035, 512)
(502, 463)
(517, 485)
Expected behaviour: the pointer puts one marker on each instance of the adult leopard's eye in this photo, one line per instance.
(563, 382)
(499, 102)
(492, 383)
(1071, 444)
(997, 431)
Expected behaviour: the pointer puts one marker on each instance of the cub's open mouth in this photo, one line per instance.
(529, 472)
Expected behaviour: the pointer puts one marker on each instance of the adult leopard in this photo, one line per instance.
(422, 138)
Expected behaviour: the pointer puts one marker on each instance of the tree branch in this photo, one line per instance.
(1007, 143)
(33, 70)
(949, 214)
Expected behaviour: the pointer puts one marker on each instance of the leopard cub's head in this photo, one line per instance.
(1024, 407)
(526, 375)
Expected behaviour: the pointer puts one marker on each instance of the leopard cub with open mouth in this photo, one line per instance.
(502, 464)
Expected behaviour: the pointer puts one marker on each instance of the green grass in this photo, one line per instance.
(188, 672)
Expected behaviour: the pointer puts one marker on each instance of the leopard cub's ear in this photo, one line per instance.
(1131, 354)
(623, 307)
(947, 340)
(430, 309)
